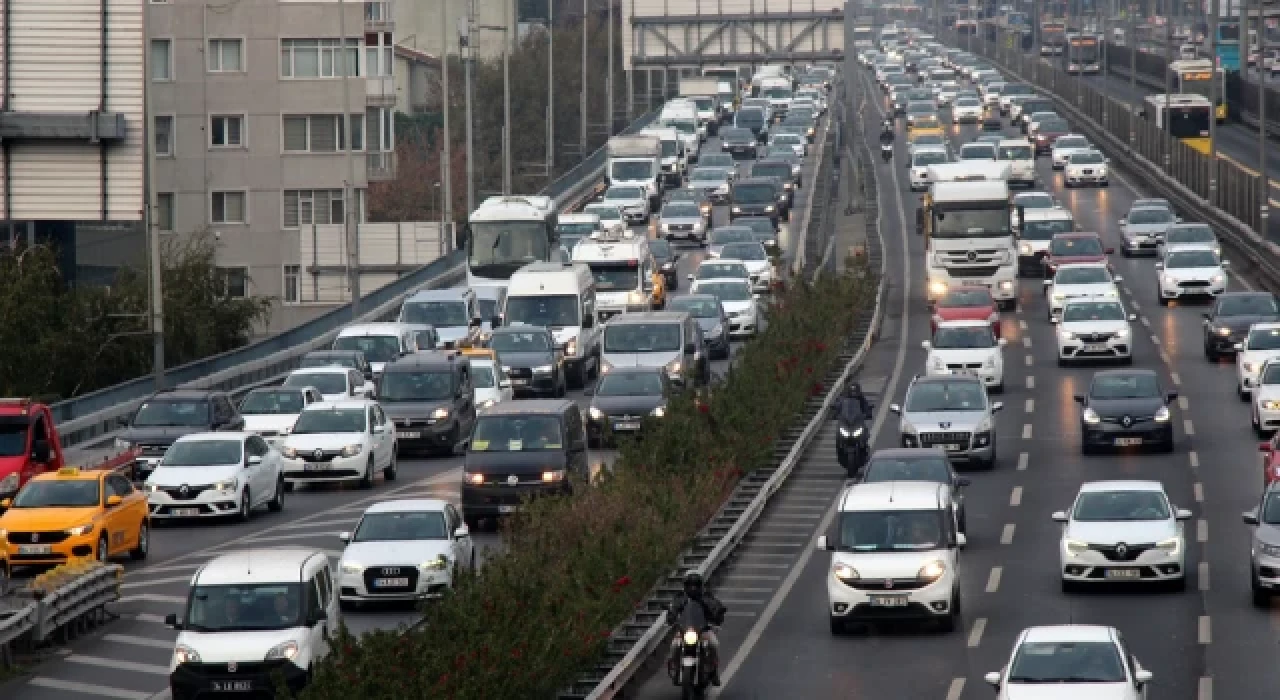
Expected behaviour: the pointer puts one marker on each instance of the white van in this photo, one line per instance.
(562, 298)
(1021, 157)
(383, 342)
(675, 160)
(623, 268)
(252, 614)
(683, 117)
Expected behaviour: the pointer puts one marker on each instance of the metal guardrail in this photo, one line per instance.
(94, 416)
(61, 613)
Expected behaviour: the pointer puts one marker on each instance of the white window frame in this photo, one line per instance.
(169, 70)
(311, 195)
(243, 193)
(210, 54)
(223, 271)
(173, 135)
(244, 130)
(340, 134)
(340, 49)
(293, 271)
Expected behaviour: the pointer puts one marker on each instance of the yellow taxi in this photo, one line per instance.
(74, 514)
(481, 353)
(924, 124)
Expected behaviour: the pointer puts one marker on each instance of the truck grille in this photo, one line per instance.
(951, 438)
(972, 271)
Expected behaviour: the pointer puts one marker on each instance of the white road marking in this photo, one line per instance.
(975, 634)
(320, 523)
(1026, 431)
(88, 689)
(1023, 459)
(139, 641)
(1155, 339)
(1164, 357)
(1006, 536)
(1205, 691)
(1022, 324)
(1202, 575)
(148, 617)
(1184, 403)
(1031, 382)
(993, 580)
(1030, 406)
(741, 613)
(1026, 341)
(1198, 489)
(956, 690)
(1029, 360)
(1145, 321)
(1136, 305)
(154, 669)
(1204, 633)
(1202, 530)
(1015, 498)
(1195, 459)
(1188, 427)
(1177, 381)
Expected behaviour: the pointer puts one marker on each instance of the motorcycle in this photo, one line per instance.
(886, 151)
(690, 664)
(852, 448)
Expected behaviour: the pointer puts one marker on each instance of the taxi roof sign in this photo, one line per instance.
(69, 471)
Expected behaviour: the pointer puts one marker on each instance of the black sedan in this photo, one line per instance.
(666, 258)
(739, 142)
(623, 400)
(1227, 321)
(992, 124)
(916, 464)
(1126, 408)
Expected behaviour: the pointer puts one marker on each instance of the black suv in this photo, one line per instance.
(430, 399)
(781, 170)
(168, 415)
(756, 196)
(532, 360)
(753, 118)
(738, 142)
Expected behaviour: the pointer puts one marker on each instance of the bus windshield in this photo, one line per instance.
(496, 249)
(1189, 122)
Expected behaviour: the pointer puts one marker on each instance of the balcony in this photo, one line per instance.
(377, 16)
(380, 166)
(380, 91)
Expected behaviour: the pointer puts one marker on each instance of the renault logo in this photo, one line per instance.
(944, 426)
(319, 454)
(513, 480)
(972, 256)
(184, 490)
(1122, 549)
(231, 667)
(1126, 421)
(888, 583)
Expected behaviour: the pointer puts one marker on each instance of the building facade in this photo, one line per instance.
(418, 25)
(270, 119)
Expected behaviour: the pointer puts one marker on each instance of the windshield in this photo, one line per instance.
(681, 210)
(1271, 511)
(933, 469)
(516, 434)
(708, 175)
(326, 382)
(554, 311)
(752, 119)
(788, 139)
(714, 270)
(963, 338)
(614, 276)
(779, 170)
(1016, 153)
(482, 377)
(1093, 311)
(630, 384)
(684, 126)
(704, 103)
(726, 235)
(744, 251)
(241, 607)
(330, 420)
(977, 151)
(1251, 305)
(1189, 122)
(921, 108)
(377, 348)
(930, 158)
(1107, 506)
(1087, 158)
(624, 193)
(1067, 662)
(777, 93)
(1125, 386)
(1017, 89)
(698, 307)
(1197, 234)
(927, 122)
(1045, 230)
(1082, 275)
(1070, 142)
(13, 436)
(399, 527)
(436, 313)
(1150, 216)
(966, 298)
(660, 249)
(202, 453)
(415, 386)
(1075, 246)
(968, 102)
(1264, 339)
(631, 170)
(502, 247)
(606, 212)
(343, 360)
(670, 148)
(642, 337)
(727, 291)
(515, 341)
(971, 223)
(1039, 200)
(754, 194)
(58, 493)
(171, 412)
(928, 140)
(928, 397)
(735, 134)
(1191, 258)
(891, 531)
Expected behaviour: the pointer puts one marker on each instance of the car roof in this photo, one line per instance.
(73, 474)
(529, 406)
(273, 565)
(892, 495)
(221, 435)
(1077, 234)
(430, 359)
(1073, 266)
(1068, 633)
(407, 505)
(1121, 485)
(331, 369)
(520, 328)
(182, 394)
(964, 324)
(1129, 372)
(341, 403)
(1193, 246)
(903, 452)
(447, 294)
(648, 317)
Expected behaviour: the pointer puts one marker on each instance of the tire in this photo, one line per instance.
(962, 522)
(103, 552)
(949, 623)
(246, 507)
(1085, 449)
(837, 626)
(999, 388)
(366, 481)
(288, 486)
(1240, 392)
(5, 575)
(1261, 598)
(1179, 584)
(1125, 252)
(1210, 355)
(1127, 360)
(276, 504)
(1068, 586)
(138, 553)
(1062, 361)
(390, 473)
(1160, 298)
(1167, 447)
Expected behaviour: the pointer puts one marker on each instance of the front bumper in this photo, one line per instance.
(421, 583)
(635, 215)
(607, 429)
(1083, 178)
(299, 470)
(1140, 434)
(1077, 349)
(966, 117)
(1140, 243)
(1092, 566)
(426, 434)
(990, 376)
(1223, 344)
(1268, 418)
(1266, 572)
(907, 599)
(979, 448)
(534, 383)
(1002, 288)
(51, 553)
(1195, 288)
(205, 504)
(500, 499)
(258, 678)
(741, 326)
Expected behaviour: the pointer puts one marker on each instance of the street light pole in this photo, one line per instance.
(608, 81)
(583, 99)
(1134, 102)
(551, 89)
(446, 102)
(1214, 96)
(1168, 88)
(155, 264)
(467, 30)
(506, 117)
(1263, 180)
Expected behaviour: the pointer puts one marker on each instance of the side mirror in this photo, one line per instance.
(253, 460)
(1238, 346)
(1048, 282)
(689, 277)
(1054, 320)
(113, 501)
(1109, 251)
(1177, 219)
(1226, 263)
(171, 620)
(461, 532)
(962, 482)
(317, 617)
(926, 344)
(505, 384)
(379, 429)
(822, 544)
(345, 537)
(757, 297)
(589, 321)
(895, 408)
(1206, 316)
(1142, 676)
(1171, 397)
(1002, 342)
(1183, 514)
(1133, 317)
(1059, 516)
(589, 391)
(1120, 221)
(961, 540)
(1079, 398)
(1250, 517)
(993, 679)
(1117, 278)
(40, 451)
(1159, 266)
(997, 407)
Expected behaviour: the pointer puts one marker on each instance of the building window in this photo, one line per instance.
(318, 58)
(292, 284)
(163, 135)
(227, 208)
(226, 130)
(308, 207)
(317, 133)
(163, 220)
(226, 55)
(235, 282)
(378, 54)
(161, 60)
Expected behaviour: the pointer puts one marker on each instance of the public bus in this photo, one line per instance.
(1082, 54)
(1228, 41)
(1188, 120)
(1195, 78)
(1053, 36)
(504, 234)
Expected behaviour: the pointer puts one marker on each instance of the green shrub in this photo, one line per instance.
(575, 566)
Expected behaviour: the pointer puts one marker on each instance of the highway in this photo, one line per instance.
(129, 657)
(1205, 642)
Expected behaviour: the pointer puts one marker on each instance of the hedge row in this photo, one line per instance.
(574, 567)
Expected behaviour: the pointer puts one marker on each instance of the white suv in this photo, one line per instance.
(1077, 280)
(340, 441)
(1021, 157)
(1190, 270)
(895, 555)
(967, 345)
(1260, 345)
(1094, 328)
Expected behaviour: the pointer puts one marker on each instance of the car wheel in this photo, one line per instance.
(1125, 252)
(1244, 395)
(1068, 586)
(1160, 297)
(1179, 584)
(837, 626)
(1261, 597)
(139, 552)
(276, 504)
(246, 507)
(1210, 354)
(366, 481)
(952, 620)
(390, 472)
(288, 486)
(1127, 360)
(102, 553)
(998, 388)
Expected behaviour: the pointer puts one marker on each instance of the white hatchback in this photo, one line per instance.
(407, 549)
(1190, 271)
(1080, 280)
(1095, 329)
(970, 346)
(1260, 345)
(1054, 656)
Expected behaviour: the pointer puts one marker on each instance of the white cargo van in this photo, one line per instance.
(562, 298)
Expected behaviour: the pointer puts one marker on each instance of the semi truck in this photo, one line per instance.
(636, 161)
(969, 239)
(705, 93)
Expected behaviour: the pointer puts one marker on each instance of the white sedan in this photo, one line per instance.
(1065, 146)
(1261, 345)
(341, 441)
(1093, 658)
(272, 411)
(1086, 168)
(1029, 200)
(1191, 271)
(960, 346)
(1080, 280)
(1266, 399)
(1095, 329)
(1122, 531)
(215, 475)
(966, 110)
(738, 302)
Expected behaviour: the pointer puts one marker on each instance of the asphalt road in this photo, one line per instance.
(1208, 641)
(129, 657)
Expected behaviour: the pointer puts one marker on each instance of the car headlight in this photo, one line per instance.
(351, 567)
(122, 444)
(605, 367)
(769, 208)
(542, 369)
(932, 571)
(673, 368)
(228, 485)
(440, 414)
(1091, 417)
(737, 210)
(1172, 545)
(1162, 415)
(183, 654)
(1075, 546)
(1216, 279)
(440, 563)
(1025, 249)
(595, 413)
(1122, 332)
(283, 650)
(658, 412)
(1269, 405)
(1224, 331)
(473, 478)
(844, 572)
(553, 475)
(488, 403)
(937, 287)
(1170, 281)
(290, 452)
(80, 530)
(352, 450)
(1059, 297)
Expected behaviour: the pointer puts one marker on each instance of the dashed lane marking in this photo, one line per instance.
(975, 634)
(1194, 458)
(1155, 339)
(138, 641)
(1026, 341)
(956, 690)
(154, 669)
(1022, 324)
(87, 689)
(1188, 427)
(1006, 536)
(1031, 382)
(1026, 431)
(1173, 377)
(1203, 632)
(1145, 321)
(1015, 497)
(1030, 406)
(993, 579)
(1136, 305)
(1023, 459)
(741, 613)
(1205, 691)
(1202, 530)
(1198, 490)
(1164, 357)
(1184, 403)
(149, 617)
(1202, 575)
(1028, 360)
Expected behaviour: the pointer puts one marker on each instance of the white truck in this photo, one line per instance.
(705, 93)
(779, 91)
(969, 239)
(675, 162)
(636, 161)
(682, 115)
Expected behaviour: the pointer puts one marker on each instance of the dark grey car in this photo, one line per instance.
(711, 318)
(623, 400)
(430, 399)
(1126, 408)
(531, 359)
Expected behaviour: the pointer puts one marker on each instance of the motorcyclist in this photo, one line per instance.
(853, 411)
(886, 135)
(695, 593)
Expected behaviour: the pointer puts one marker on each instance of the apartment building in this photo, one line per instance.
(418, 25)
(252, 104)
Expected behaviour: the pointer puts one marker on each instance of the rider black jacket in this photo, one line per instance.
(712, 608)
(886, 137)
(854, 409)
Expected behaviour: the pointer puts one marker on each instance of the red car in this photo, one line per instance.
(1270, 460)
(966, 304)
(1074, 247)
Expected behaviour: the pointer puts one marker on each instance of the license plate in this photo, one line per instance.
(1086, 172)
(1124, 573)
(390, 582)
(973, 283)
(1128, 441)
(34, 549)
(626, 426)
(232, 686)
(185, 512)
(519, 382)
(950, 447)
(889, 601)
(689, 661)
(408, 436)
(1095, 347)
(506, 509)
(314, 467)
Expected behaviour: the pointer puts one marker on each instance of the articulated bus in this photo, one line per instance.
(1229, 44)
(1195, 78)
(1188, 119)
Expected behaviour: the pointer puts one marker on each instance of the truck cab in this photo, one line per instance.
(626, 276)
(636, 161)
(674, 158)
(969, 239)
(29, 444)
